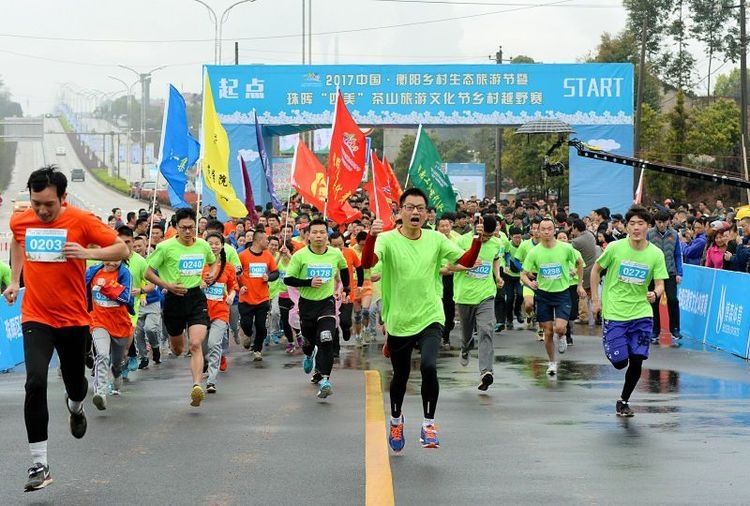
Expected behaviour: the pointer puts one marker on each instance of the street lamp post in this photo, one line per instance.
(218, 25)
(129, 89)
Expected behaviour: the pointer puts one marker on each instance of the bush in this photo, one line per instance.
(113, 182)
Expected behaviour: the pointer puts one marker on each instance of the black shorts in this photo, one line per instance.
(552, 305)
(181, 311)
(311, 311)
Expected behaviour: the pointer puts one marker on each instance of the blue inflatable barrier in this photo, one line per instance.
(715, 308)
(11, 335)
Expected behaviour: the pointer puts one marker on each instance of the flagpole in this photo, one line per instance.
(198, 176)
(291, 182)
(153, 209)
(374, 184)
(161, 159)
(330, 141)
(413, 155)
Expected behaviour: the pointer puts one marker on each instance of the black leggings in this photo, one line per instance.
(257, 314)
(400, 348)
(345, 324)
(513, 296)
(449, 307)
(316, 317)
(39, 341)
(632, 375)
(285, 305)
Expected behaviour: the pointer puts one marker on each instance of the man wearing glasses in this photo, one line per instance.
(180, 261)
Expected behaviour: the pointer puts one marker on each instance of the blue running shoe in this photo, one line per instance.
(275, 338)
(396, 438)
(428, 437)
(132, 364)
(308, 364)
(325, 388)
(125, 372)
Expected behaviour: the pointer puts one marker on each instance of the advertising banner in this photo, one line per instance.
(11, 336)
(467, 178)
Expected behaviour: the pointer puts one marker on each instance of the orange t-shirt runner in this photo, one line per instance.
(352, 261)
(253, 268)
(55, 286)
(109, 314)
(216, 294)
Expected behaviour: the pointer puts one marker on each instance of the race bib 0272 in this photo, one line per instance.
(322, 271)
(633, 272)
(191, 265)
(45, 244)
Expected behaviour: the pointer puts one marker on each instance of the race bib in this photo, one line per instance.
(257, 270)
(322, 271)
(480, 272)
(550, 271)
(215, 292)
(101, 300)
(45, 244)
(191, 265)
(633, 272)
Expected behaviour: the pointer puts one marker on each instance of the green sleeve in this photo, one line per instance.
(293, 269)
(210, 257)
(232, 256)
(605, 260)
(449, 250)
(4, 274)
(529, 263)
(156, 258)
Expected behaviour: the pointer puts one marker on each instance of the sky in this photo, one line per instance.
(36, 60)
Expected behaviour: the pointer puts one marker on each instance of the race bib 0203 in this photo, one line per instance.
(257, 270)
(191, 265)
(550, 271)
(45, 244)
(322, 271)
(215, 292)
(480, 271)
(633, 272)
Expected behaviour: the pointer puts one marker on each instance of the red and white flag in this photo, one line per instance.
(346, 161)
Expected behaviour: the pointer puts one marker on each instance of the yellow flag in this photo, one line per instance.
(215, 160)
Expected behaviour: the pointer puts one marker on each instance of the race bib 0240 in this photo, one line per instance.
(322, 271)
(45, 244)
(550, 271)
(257, 270)
(633, 272)
(191, 265)
(480, 271)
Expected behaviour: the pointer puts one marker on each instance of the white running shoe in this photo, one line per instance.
(552, 369)
(562, 344)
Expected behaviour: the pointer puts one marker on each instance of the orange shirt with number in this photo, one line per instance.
(106, 313)
(253, 268)
(216, 294)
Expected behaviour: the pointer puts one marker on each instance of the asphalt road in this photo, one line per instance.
(266, 439)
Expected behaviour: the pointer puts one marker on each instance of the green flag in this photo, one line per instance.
(425, 173)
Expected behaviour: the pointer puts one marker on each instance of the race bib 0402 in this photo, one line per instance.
(215, 292)
(322, 271)
(633, 272)
(191, 265)
(45, 244)
(480, 271)
(257, 270)
(550, 271)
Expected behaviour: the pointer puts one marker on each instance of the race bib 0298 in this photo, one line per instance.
(550, 271)
(257, 270)
(191, 265)
(45, 244)
(322, 271)
(633, 272)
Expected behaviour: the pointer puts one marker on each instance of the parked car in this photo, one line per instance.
(22, 201)
(78, 175)
(60, 151)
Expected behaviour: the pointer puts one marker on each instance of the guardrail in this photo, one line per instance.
(715, 308)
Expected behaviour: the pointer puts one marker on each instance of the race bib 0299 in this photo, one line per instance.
(633, 272)
(322, 271)
(45, 244)
(191, 265)
(257, 270)
(550, 271)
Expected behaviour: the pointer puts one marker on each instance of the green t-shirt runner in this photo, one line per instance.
(552, 266)
(307, 265)
(232, 257)
(277, 287)
(137, 266)
(478, 283)
(629, 273)
(5, 273)
(574, 278)
(177, 263)
(410, 279)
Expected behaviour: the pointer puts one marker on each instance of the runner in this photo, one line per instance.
(285, 302)
(362, 297)
(528, 293)
(552, 261)
(572, 290)
(475, 291)
(258, 269)
(513, 290)
(631, 264)
(345, 312)
(412, 309)
(111, 302)
(220, 292)
(180, 262)
(48, 244)
(445, 227)
(312, 270)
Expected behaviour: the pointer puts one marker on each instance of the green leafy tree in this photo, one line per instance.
(523, 156)
(522, 59)
(729, 85)
(653, 143)
(715, 131)
(677, 65)
(404, 156)
(712, 26)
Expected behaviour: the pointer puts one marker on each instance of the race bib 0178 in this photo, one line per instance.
(45, 244)
(191, 265)
(633, 272)
(322, 271)
(550, 271)
(480, 272)
(257, 270)
(215, 292)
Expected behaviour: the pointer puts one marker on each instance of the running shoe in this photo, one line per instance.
(540, 334)
(275, 339)
(529, 323)
(486, 381)
(509, 325)
(429, 437)
(622, 408)
(552, 369)
(464, 360)
(519, 318)
(143, 364)
(325, 388)
(117, 386)
(237, 338)
(196, 396)
(289, 348)
(309, 362)
(654, 338)
(676, 334)
(569, 340)
(247, 342)
(211, 388)
(257, 356)
(156, 353)
(100, 401)
(39, 477)
(78, 423)
(396, 437)
(357, 340)
(223, 365)
(316, 377)
(125, 372)
(132, 364)
(499, 327)
(562, 344)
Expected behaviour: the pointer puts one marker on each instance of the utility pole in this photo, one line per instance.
(743, 72)
(641, 83)
(236, 53)
(498, 141)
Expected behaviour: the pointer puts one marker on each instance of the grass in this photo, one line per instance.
(65, 125)
(116, 183)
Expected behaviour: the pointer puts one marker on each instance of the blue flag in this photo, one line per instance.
(266, 166)
(179, 150)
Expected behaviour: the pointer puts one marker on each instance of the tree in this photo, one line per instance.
(677, 67)
(729, 85)
(711, 26)
(401, 164)
(677, 136)
(454, 151)
(8, 108)
(715, 131)
(653, 147)
(522, 161)
(522, 59)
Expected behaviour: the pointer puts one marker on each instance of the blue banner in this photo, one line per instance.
(579, 94)
(715, 308)
(11, 335)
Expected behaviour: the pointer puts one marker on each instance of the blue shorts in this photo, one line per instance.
(552, 305)
(622, 340)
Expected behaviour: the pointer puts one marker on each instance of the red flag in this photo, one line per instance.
(396, 190)
(380, 194)
(309, 176)
(346, 158)
(249, 201)
(344, 213)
